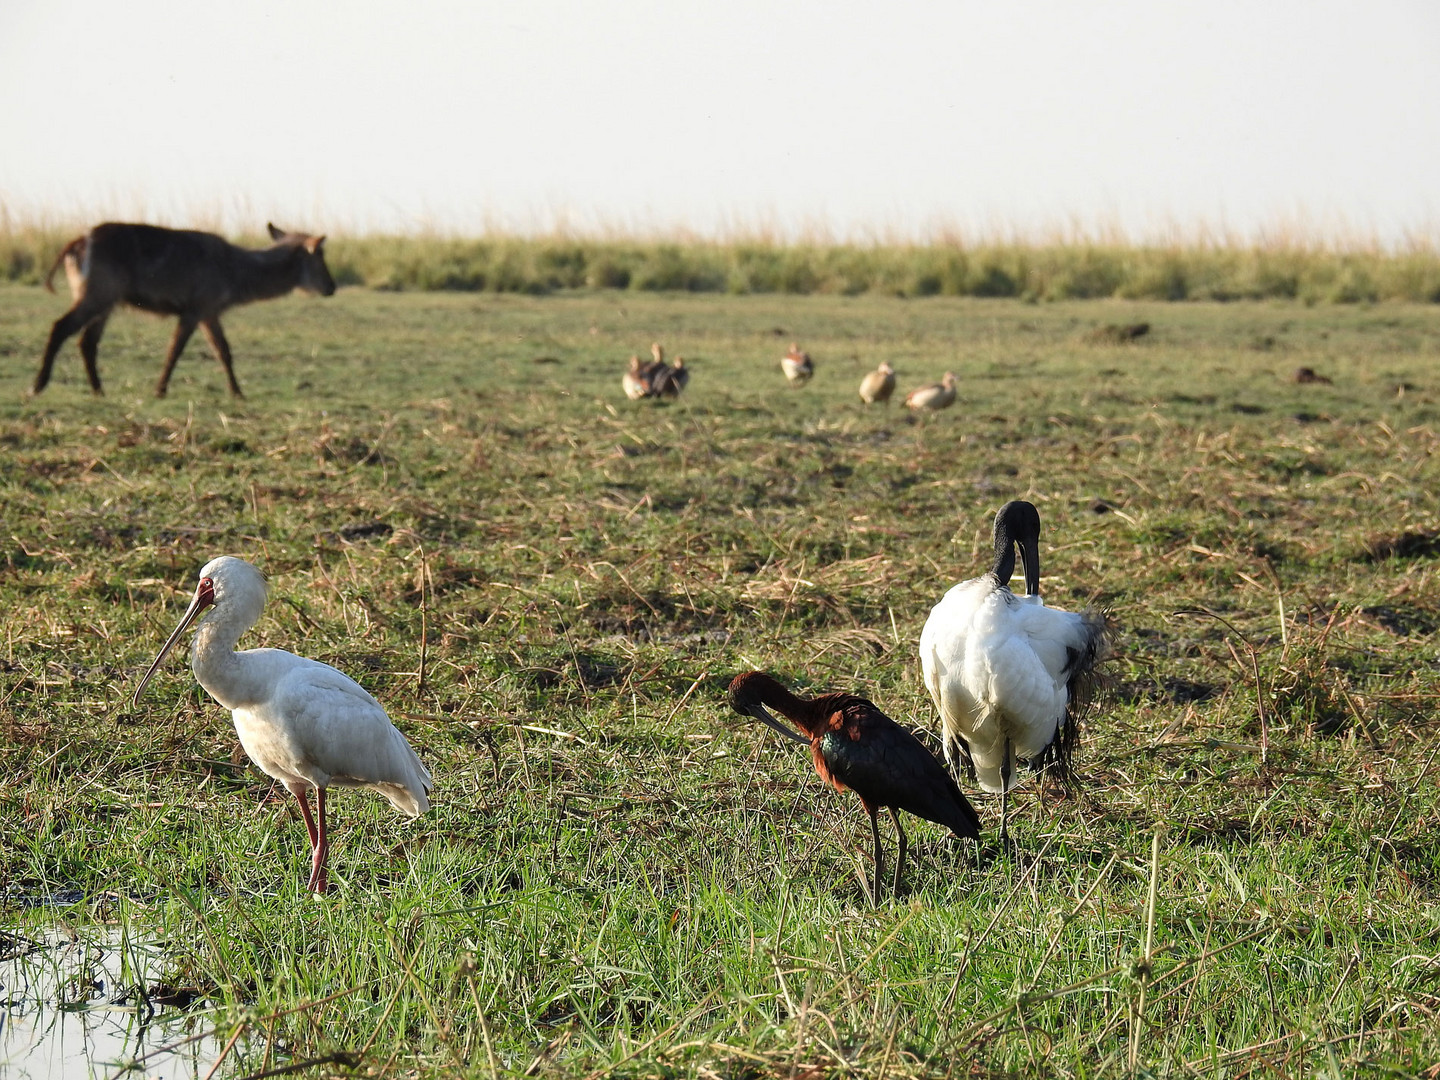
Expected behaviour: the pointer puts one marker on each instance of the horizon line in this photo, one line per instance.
(1298, 229)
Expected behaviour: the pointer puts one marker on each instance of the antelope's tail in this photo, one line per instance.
(76, 248)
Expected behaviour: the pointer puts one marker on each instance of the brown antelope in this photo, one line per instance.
(939, 395)
(878, 385)
(195, 275)
(797, 365)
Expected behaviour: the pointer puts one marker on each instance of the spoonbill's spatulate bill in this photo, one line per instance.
(301, 721)
(854, 745)
(1008, 674)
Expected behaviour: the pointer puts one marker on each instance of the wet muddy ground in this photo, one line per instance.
(85, 1003)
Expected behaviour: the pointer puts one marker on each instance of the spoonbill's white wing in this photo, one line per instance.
(322, 726)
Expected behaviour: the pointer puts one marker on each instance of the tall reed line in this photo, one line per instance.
(1282, 266)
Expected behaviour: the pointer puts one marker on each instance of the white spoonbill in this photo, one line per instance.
(301, 721)
(1008, 674)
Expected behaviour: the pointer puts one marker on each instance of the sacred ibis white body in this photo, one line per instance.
(1008, 674)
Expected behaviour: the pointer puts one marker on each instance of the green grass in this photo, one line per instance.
(619, 877)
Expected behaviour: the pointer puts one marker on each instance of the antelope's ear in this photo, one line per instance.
(312, 243)
(275, 234)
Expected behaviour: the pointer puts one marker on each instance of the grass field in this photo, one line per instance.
(548, 586)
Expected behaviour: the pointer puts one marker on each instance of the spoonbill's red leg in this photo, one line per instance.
(319, 880)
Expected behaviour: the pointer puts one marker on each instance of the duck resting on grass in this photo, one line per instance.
(854, 745)
(1009, 675)
(797, 365)
(670, 379)
(634, 382)
(934, 397)
(878, 385)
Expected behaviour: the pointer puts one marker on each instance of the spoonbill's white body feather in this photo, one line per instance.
(301, 721)
(321, 727)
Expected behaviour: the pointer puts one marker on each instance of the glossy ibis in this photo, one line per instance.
(856, 746)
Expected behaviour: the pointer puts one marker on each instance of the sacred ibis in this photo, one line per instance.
(1009, 675)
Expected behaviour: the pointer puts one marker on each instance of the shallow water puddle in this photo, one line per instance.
(97, 1005)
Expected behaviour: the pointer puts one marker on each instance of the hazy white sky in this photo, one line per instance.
(858, 117)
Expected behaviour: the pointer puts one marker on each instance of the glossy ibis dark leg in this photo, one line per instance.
(900, 859)
(873, 811)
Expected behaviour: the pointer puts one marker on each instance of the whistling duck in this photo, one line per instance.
(878, 385)
(652, 370)
(635, 384)
(797, 365)
(671, 379)
(936, 396)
